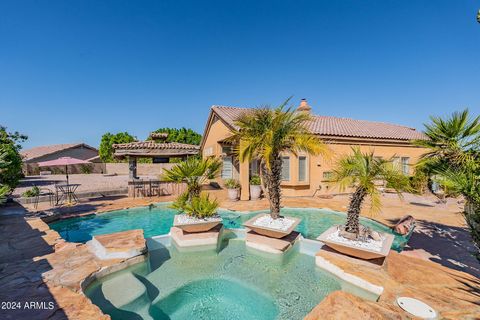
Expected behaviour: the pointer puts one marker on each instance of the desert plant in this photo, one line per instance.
(361, 171)
(4, 190)
(194, 172)
(11, 160)
(202, 207)
(232, 184)
(255, 180)
(453, 160)
(30, 193)
(180, 202)
(264, 134)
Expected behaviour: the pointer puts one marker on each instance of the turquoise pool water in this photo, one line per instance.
(233, 282)
(158, 219)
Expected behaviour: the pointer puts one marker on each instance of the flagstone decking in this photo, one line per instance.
(37, 265)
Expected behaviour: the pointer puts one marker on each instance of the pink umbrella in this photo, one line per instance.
(63, 161)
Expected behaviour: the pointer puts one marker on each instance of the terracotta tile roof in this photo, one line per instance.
(36, 152)
(152, 145)
(338, 127)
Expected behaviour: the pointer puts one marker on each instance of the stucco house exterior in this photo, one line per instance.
(305, 175)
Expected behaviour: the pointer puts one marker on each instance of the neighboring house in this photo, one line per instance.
(51, 152)
(303, 175)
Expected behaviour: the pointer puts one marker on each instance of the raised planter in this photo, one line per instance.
(233, 194)
(356, 251)
(195, 225)
(270, 232)
(255, 192)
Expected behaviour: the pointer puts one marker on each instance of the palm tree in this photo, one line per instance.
(454, 161)
(451, 141)
(194, 172)
(362, 171)
(264, 134)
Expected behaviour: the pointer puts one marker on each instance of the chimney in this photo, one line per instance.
(304, 107)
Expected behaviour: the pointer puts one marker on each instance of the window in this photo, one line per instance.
(227, 168)
(396, 163)
(327, 175)
(405, 166)
(226, 149)
(302, 168)
(286, 168)
(254, 168)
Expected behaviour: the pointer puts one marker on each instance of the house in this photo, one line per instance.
(305, 175)
(51, 152)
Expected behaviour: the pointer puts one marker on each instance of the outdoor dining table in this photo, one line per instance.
(66, 192)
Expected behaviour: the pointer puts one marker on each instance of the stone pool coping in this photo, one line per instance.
(450, 292)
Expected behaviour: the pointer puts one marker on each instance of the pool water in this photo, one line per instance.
(232, 282)
(158, 219)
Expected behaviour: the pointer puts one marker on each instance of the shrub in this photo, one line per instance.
(30, 193)
(86, 168)
(232, 184)
(255, 180)
(202, 207)
(4, 190)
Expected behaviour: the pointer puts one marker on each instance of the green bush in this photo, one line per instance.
(30, 193)
(86, 168)
(4, 190)
(232, 184)
(202, 207)
(255, 180)
(10, 158)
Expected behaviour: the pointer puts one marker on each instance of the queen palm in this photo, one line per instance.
(264, 134)
(362, 171)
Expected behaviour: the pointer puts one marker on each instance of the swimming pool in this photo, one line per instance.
(232, 282)
(158, 219)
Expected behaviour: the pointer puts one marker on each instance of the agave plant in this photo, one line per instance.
(202, 207)
(361, 171)
(264, 134)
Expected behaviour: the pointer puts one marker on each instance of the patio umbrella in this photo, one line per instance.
(63, 161)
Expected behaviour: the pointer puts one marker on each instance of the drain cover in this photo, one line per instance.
(416, 308)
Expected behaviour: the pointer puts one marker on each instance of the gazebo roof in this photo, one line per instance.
(154, 149)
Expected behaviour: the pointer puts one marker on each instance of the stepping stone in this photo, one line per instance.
(193, 239)
(271, 245)
(123, 299)
(119, 245)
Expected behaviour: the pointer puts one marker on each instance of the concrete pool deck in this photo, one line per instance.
(37, 265)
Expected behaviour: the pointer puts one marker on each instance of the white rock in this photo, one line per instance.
(279, 223)
(186, 219)
(369, 244)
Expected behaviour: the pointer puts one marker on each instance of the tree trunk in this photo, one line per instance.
(354, 208)
(273, 178)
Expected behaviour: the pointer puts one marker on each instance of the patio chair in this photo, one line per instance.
(138, 188)
(44, 192)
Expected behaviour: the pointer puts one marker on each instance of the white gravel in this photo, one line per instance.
(280, 224)
(370, 244)
(186, 219)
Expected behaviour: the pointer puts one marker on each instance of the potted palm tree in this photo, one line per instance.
(233, 188)
(255, 187)
(362, 171)
(197, 212)
(265, 134)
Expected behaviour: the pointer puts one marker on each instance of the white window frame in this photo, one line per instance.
(223, 175)
(405, 165)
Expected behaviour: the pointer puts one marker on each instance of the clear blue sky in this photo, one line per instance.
(73, 70)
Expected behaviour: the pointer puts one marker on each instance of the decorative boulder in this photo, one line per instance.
(404, 225)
